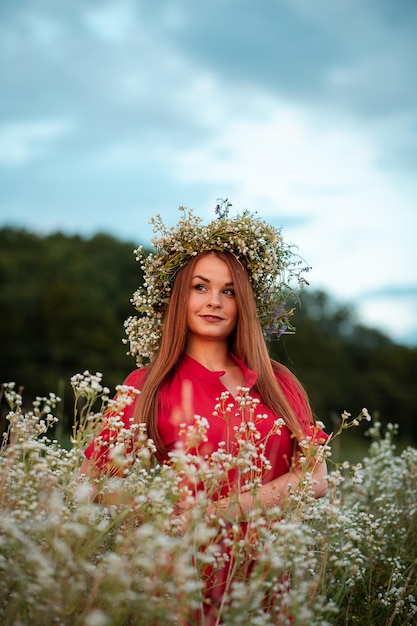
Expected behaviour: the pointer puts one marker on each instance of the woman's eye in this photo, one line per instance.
(203, 288)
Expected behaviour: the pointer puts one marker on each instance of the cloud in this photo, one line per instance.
(395, 312)
(252, 43)
(113, 22)
(343, 59)
(306, 50)
(24, 142)
(392, 291)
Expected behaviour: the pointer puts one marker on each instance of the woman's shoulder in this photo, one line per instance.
(136, 378)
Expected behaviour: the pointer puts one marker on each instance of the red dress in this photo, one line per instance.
(207, 389)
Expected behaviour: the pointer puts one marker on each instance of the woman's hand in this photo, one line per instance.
(181, 515)
(273, 494)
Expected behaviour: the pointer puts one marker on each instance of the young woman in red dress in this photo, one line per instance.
(211, 341)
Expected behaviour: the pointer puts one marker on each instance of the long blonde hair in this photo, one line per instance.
(246, 342)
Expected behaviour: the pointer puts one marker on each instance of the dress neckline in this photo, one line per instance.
(250, 377)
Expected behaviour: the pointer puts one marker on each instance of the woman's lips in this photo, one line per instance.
(211, 318)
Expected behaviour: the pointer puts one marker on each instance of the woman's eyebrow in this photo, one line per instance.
(207, 280)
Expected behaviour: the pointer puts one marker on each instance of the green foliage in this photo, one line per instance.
(344, 364)
(63, 301)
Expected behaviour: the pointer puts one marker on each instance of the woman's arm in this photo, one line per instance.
(273, 493)
(276, 491)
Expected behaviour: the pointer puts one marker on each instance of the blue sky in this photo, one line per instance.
(302, 110)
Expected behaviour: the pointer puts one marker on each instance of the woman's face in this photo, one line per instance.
(212, 308)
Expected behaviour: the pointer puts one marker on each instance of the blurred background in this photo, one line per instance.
(302, 110)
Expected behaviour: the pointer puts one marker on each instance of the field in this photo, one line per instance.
(66, 558)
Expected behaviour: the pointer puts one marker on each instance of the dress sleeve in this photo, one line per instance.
(298, 399)
(116, 426)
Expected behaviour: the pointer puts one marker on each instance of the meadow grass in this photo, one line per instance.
(66, 558)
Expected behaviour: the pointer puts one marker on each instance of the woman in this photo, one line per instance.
(207, 291)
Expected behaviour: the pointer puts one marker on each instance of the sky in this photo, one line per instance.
(304, 111)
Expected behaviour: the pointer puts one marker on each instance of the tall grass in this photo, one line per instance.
(67, 558)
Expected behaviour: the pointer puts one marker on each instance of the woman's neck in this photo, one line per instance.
(213, 355)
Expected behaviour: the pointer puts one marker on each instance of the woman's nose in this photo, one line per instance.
(214, 301)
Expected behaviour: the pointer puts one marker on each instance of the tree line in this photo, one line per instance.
(64, 298)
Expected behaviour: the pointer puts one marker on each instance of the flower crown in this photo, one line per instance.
(270, 263)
